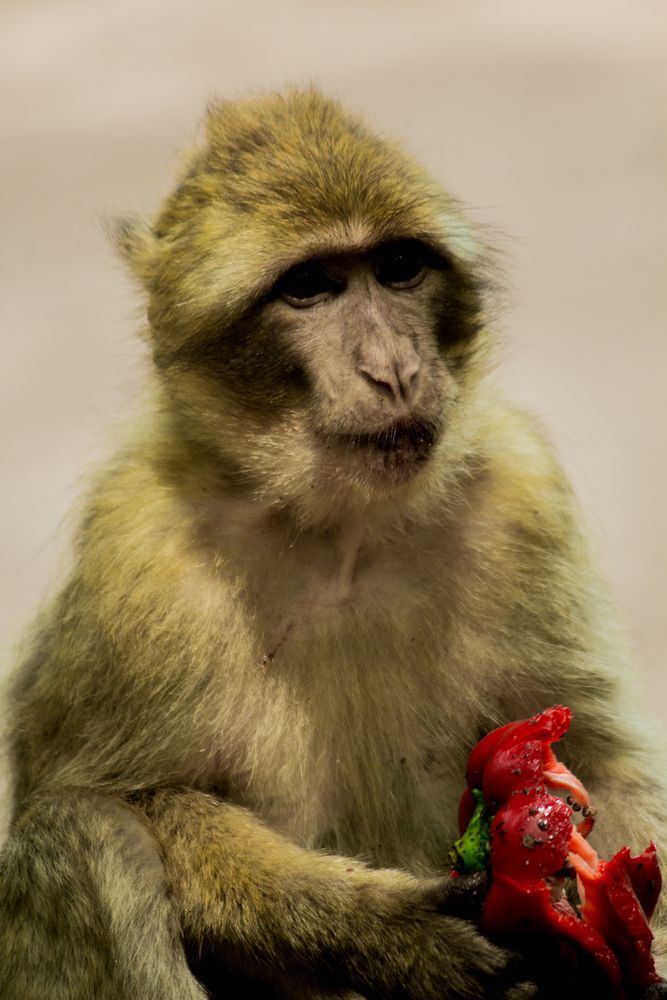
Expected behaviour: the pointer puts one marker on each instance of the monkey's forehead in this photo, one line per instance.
(298, 169)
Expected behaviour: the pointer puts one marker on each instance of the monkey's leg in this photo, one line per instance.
(294, 918)
(84, 913)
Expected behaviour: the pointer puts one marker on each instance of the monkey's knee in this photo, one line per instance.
(83, 910)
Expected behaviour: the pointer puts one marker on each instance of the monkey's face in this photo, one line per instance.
(363, 339)
(345, 376)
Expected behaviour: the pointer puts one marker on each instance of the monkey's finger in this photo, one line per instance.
(461, 896)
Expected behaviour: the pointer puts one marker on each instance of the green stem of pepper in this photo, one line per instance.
(470, 853)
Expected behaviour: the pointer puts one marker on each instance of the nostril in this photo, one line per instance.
(383, 386)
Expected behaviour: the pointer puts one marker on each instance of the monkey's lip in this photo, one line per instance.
(401, 440)
(390, 455)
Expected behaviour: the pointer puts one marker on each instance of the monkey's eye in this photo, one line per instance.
(402, 265)
(305, 284)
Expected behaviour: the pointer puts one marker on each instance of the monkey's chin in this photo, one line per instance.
(385, 459)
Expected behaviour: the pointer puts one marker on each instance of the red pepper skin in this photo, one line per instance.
(513, 906)
(610, 905)
(548, 727)
(481, 753)
(530, 840)
(513, 757)
(645, 876)
(512, 768)
(530, 837)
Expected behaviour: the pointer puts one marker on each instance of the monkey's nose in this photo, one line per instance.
(394, 377)
(395, 384)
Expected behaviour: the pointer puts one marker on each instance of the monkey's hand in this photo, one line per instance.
(421, 951)
(267, 909)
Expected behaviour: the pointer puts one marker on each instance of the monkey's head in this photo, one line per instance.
(314, 307)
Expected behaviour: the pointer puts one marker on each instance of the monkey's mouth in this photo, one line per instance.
(388, 456)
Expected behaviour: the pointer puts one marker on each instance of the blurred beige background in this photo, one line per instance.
(549, 119)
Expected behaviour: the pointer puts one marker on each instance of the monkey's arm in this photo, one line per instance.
(262, 903)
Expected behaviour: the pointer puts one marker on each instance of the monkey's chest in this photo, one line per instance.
(349, 728)
(352, 743)
(339, 607)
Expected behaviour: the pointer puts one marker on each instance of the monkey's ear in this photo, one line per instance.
(135, 243)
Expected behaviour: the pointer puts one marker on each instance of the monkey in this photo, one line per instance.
(325, 560)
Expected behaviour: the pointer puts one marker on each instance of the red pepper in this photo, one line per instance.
(618, 898)
(536, 840)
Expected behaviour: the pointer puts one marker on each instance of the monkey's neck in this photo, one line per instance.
(350, 544)
(322, 562)
(321, 581)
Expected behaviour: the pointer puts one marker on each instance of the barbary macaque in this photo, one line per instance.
(327, 560)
